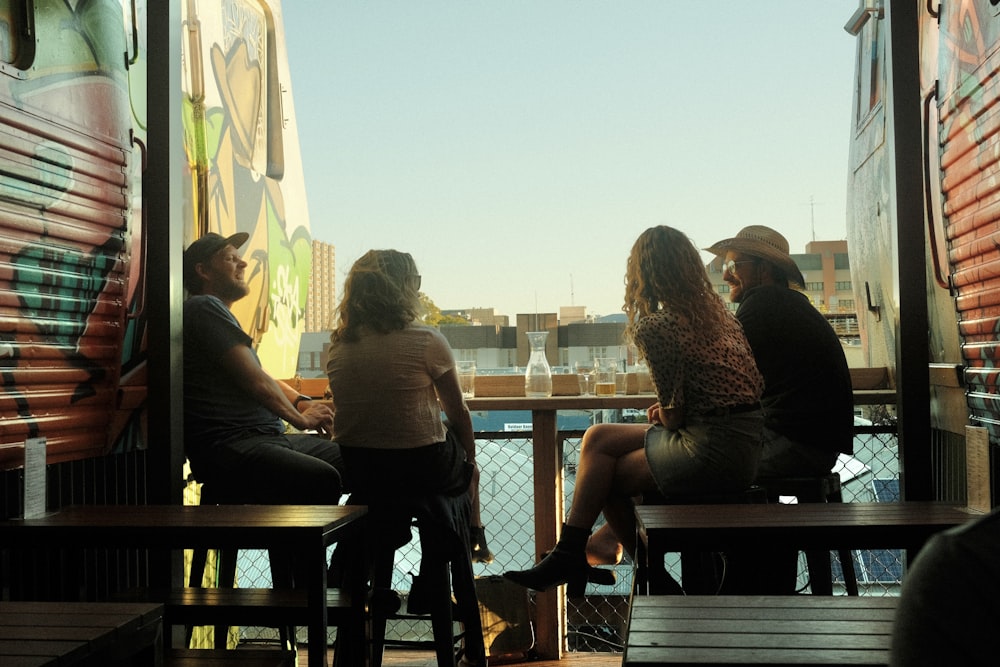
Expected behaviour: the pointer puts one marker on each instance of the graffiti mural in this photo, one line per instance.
(970, 97)
(242, 153)
(68, 176)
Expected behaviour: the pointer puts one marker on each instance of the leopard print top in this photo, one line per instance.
(696, 372)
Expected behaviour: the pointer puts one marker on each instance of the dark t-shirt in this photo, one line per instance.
(949, 607)
(807, 385)
(216, 408)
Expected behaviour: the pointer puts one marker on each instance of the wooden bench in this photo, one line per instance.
(222, 658)
(802, 526)
(86, 633)
(759, 630)
(265, 607)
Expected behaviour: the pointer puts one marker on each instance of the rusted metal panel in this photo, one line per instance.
(64, 200)
(969, 136)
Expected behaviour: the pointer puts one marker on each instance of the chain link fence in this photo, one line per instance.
(597, 621)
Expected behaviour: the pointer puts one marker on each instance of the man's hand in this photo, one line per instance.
(317, 417)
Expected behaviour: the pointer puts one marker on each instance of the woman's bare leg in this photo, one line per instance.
(612, 462)
(603, 547)
(620, 514)
(632, 478)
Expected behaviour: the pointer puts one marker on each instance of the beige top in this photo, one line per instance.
(383, 388)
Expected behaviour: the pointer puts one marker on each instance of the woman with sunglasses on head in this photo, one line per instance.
(391, 377)
(703, 435)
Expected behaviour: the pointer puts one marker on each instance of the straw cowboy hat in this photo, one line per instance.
(763, 243)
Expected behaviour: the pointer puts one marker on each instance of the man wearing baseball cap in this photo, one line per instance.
(234, 435)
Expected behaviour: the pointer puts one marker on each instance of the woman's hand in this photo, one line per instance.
(672, 418)
(653, 414)
(669, 418)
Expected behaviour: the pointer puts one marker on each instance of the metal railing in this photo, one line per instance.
(597, 621)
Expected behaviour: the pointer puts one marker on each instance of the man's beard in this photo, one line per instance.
(234, 291)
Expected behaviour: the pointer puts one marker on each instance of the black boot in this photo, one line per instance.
(595, 575)
(566, 563)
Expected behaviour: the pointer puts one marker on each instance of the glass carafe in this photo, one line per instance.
(538, 375)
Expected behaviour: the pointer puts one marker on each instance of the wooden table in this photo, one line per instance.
(759, 630)
(33, 634)
(801, 526)
(307, 530)
(547, 460)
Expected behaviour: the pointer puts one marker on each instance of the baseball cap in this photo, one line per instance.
(203, 249)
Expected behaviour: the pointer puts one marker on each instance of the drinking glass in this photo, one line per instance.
(585, 374)
(604, 376)
(467, 377)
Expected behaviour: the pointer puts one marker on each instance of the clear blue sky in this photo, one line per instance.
(518, 147)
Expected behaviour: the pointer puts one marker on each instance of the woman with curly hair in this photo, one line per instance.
(703, 435)
(391, 377)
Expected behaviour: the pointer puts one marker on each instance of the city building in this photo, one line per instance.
(322, 297)
(572, 314)
(487, 317)
(574, 335)
(313, 348)
(490, 346)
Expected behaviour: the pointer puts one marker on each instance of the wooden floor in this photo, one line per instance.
(395, 658)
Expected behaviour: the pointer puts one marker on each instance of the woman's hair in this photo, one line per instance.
(665, 271)
(381, 293)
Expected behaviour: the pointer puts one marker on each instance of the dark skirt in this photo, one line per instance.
(429, 482)
(711, 455)
(438, 469)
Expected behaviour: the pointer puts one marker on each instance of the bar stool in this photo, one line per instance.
(824, 489)
(368, 562)
(700, 573)
(225, 563)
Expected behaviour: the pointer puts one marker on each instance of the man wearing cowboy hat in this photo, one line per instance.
(233, 409)
(808, 402)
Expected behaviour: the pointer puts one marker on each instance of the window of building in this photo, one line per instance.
(815, 287)
(17, 45)
(842, 286)
(311, 363)
(869, 80)
(809, 261)
(598, 352)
